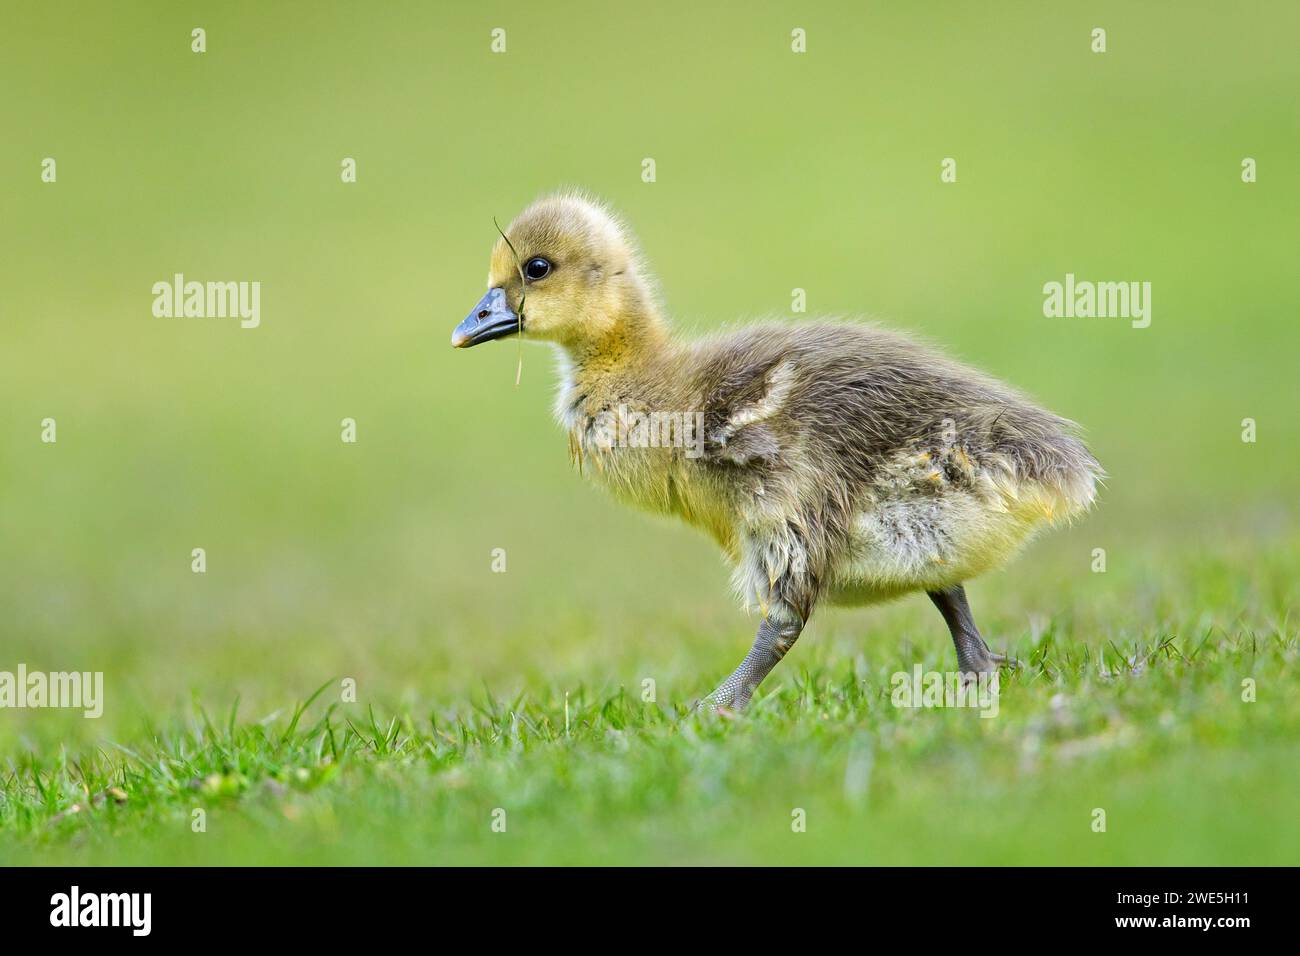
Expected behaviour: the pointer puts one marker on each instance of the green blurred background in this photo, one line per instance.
(774, 171)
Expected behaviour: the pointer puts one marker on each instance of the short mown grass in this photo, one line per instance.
(1154, 732)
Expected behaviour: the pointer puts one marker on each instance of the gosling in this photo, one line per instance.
(831, 461)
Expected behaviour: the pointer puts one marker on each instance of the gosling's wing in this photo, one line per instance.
(744, 405)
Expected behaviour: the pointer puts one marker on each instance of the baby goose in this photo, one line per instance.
(830, 461)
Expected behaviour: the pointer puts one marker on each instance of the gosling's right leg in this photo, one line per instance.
(973, 655)
(776, 635)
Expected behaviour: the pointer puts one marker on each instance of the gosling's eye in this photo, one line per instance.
(537, 268)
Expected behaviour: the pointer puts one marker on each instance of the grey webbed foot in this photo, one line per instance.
(973, 654)
(773, 640)
(987, 662)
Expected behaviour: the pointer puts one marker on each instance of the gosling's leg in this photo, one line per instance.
(973, 655)
(776, 635)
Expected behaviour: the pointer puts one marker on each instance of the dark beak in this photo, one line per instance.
(490, 319)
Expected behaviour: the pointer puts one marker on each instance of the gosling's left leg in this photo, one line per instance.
(776, 635)
(973, 655)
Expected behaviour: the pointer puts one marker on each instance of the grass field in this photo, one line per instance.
(331, 563)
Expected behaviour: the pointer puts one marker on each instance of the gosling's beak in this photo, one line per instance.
(490, 319)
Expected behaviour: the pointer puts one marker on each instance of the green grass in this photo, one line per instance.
(1151, 727)
(372, 562)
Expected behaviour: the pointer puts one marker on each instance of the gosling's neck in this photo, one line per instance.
(632, 337)
(615, 367)
(625, 348)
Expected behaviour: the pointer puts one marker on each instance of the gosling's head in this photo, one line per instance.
(577, 276)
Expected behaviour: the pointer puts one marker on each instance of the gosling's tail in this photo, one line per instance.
(1046, 467)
